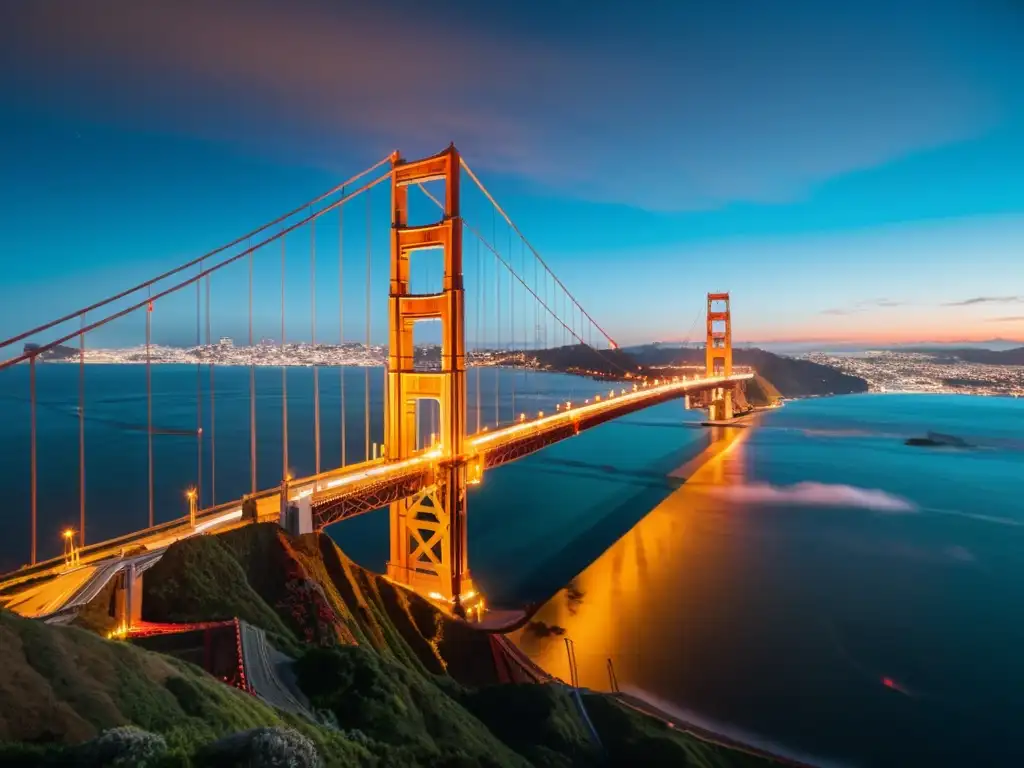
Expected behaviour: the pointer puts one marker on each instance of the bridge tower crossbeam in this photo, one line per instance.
(428, 530)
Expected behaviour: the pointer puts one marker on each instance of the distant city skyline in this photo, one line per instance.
(650, 155)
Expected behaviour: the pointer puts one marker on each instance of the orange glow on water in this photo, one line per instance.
(623, 592)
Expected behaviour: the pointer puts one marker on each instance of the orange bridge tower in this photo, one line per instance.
(428, 530)
(718, 353)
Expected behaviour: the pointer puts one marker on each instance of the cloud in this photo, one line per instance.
(863, 306)
(1007, 319)
(613, 111)
(810, 494)
(986, 300)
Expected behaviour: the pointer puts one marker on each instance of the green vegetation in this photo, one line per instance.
(60, 686)
(632, 738)
(760, 392)
(395, 682)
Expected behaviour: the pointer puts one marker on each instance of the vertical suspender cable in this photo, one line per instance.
(366, 369)
(497, 320)
(284, 377)
(199, 394)
(512, 324)
(479, 294)
(252, 394)
(148, 396)
(81, 435)
(536, 309)
(213, 402)
(341, 315)
(316, 368)
(32, 450)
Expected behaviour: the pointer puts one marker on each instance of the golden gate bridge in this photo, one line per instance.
(421, 475)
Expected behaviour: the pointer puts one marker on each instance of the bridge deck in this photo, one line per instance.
(356, 488)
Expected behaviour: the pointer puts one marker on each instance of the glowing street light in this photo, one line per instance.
(71, 556)
(190, 494)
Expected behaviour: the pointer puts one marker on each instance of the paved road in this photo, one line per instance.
(70, 589)
(265, 670)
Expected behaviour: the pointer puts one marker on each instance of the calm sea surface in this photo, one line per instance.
(811, 581)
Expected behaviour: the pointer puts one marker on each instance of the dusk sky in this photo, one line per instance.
(848, 171)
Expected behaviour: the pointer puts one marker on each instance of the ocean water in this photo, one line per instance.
(810, 582)
(820, 585)
(117, 451)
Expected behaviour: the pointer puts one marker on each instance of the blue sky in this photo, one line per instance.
(847, 171)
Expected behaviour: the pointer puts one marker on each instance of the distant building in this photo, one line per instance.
(226, 341)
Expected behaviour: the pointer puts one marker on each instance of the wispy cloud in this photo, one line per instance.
(367, 78)
(986, 300)
(883, 303)
(863, 306)
(1007, 319)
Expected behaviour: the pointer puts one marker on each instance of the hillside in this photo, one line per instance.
(396, 683)
(791, 376)
(581, 359)
(61, 686)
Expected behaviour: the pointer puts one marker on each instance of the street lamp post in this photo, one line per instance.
(71, 557)
(191, 495)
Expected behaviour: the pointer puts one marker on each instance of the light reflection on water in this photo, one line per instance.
(622, 592)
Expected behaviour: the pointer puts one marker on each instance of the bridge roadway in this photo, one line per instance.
(51, 589)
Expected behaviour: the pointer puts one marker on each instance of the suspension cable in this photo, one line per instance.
(479, 294)
(533, 250)
(316, 368)
(500, 260)
(199, 392)
(33, 488)
(81, 434)
(565, 328)
(341, 317)
(366, 369)
(149, 403)
(252, 392)
(497, 327)
(512, 327)
(213, 402)
(203, 273)
(284, 377)
(199, 260)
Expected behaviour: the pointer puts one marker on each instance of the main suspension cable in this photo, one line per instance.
(199, 260)
(203, 273)
(533, 250)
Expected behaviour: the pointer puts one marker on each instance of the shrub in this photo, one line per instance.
(282, 748)
(263, 748)
(126, 746)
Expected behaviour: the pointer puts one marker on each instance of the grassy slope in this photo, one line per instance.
(407, 685)
(304, 591)
(65, 685)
